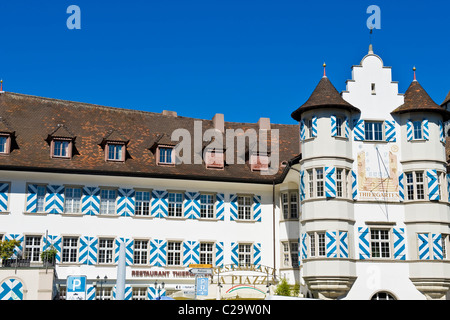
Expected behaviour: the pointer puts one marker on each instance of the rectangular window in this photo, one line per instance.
(32, 248)
(244, 207)
(312, 244)
(108, 201)
(142, 205)
(444, 245)
(165, 155)
(61, 148)
(4, 144)
(244, 254)
(319, 183)
(311, 183)
(317, 244)
(140, 252)
(103, 293)
(380, 243)
(116, 152)
(308, 124)
(293, 202)
(339, 127)
(373, 130)
(105, 250)
(339, 183)
(417, 130)
(289, 204)
(175, 205)
(286, 255)
(321, 244)
(415, 186)
(173, 253)
(69, 249)
(206, 253)
(72, 200)
(285, 204)
(294, 253)
(40, 198)
(139, 293)
(206, 206)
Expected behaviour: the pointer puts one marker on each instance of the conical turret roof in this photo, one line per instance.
(447, 99)
(324, 95)
(418, 100)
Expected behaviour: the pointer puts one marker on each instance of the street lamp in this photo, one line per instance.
(159, 287)
(101, 285)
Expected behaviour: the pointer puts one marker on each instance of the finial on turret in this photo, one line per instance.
(414, 69)
(324, 70)
(1, 85)
(370, 49)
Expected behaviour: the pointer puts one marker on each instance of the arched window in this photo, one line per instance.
(382, 296)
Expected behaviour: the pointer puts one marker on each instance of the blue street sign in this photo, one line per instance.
(202, 286)
(76, 288)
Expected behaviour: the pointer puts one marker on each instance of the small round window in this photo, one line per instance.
(382, 296)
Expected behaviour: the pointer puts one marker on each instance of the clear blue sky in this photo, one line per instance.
(244, 58)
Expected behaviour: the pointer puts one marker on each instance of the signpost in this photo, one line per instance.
(201, 282)
(76, 288)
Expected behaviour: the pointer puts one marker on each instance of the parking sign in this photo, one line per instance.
(202, 286)
(76, 288)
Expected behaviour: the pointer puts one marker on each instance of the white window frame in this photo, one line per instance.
(206, 253)
(207, 208)
(108, 203)
(105, 251)
(141, 252)
(317, 244)
(69, 249)
(142, 203)
(72, 202)
(244, 208)
(40, 198)
(175, 204)
(174, 253)
(381, 243)
(414, 185)
(245, 254)
(370, 129)
(418, 130)
(290, 206)
(139, 293)
(32, 250)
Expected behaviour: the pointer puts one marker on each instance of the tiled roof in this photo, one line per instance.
(447, 99)
(418, 100)
(34, 118)
(324, 95)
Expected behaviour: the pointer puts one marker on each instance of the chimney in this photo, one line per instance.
(169, 113)
(264, 123)
(219, 122)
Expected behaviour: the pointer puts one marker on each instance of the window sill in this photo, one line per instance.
(106, 264)
(376, 141)
(209, 219)
(289, 219)
(342, 138)
(418, 140)
(245, 221)
(106, 215)
(308, 139)
(72, 214)
(35, 213)
(140, 216)
(176, 218)
(5, 213)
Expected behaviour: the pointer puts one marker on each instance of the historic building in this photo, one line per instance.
(351, 203)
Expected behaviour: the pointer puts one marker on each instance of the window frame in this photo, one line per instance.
(34, 248)
(158, 155)
(142, 207)
(380, 241)
(7, 144)
(370, 124)
(317, 244)
(108, 202)
(247, 255)
(417, 130)
(141, 255)
(174, 255)
(415, 186)
(69, 250)
(107, 249)
(244, 210)
(72, 198)
(175, 207)
(209, 207)
(55, 142)
(110, 144)
(287, 207)
(206, 252)
(290, 256)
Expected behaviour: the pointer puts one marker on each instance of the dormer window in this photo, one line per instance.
(214, 159)
(115, 151)
(5, 143)
(259, 162)
(61, 148)
(165, 155)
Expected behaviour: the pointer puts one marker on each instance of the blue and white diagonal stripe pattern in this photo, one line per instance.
(364, 245)
(304, 247)
(4, 191)
(346, 127)
(18, 249)
(433, 185)
(330, 182)
(11, 289)
(54, 199)
(426, 130)
(302, 185)
(401, 187)
(219, 254)
(158, 252)
(191, 252)
(220, 206)
(302, 130)
(129, 248)
(154, 294)
(354, 186)
(31, 198)
(441, 132)
(128, 292)
(192, 207)
(125, 202)
(437, 246)
(399, 243)
(88, 250)
(314, 126)
(159, 204)
(424, 247)
(333, 126)
(54, 241)
(234, 253)
(330, 243)
(409, 130)
(358, 130)
(233, 207)
(90, 292)
(256, 208)
(257, 254)
(389, 127)
(90, 201)
(343, 244)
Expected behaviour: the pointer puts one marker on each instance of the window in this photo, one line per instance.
(69, 249)
(175, 205)
(108, 201)
(319, 183)
(339, 122)
(380, 243)
(40, 198)
(244, 208)
(214, 159)
(259, 162)
(308, 124)
(105, 250)
(61, 148)
(5, 144)
(339, 184)
(311, 183)
(72, 200)
(444, 245)
(417, 130)
(32, 248)
(372, 88)
(115, 151)
(373, 130)
(415, 187)
(206, 253)
(289, 203)
(317, 244)
(244, 254)
(382, 296)
(290, 254)
(173, 253)
(139, 293)
(165, 155)
(140, 253)
(142, 204)
(206, 206)
(103, 293)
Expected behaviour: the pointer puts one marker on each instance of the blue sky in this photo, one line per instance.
(244, 58)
